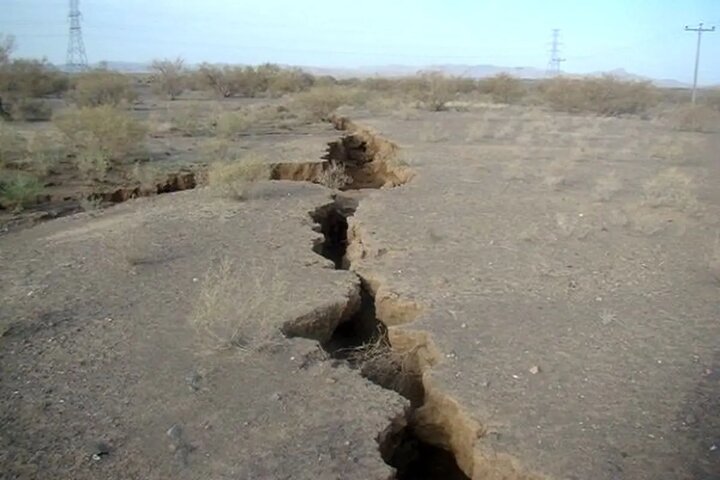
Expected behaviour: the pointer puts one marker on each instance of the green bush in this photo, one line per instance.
(100, 87)
(18, 189)
(105, 130)
(604, 95)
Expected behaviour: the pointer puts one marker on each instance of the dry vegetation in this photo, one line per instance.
(101, 87)
(694, 118)
(234, 178)
(670, 188)
(602, 96)
(102, 138)
(105, 130)
(232, 314)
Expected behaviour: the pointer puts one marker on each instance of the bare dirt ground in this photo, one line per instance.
(548, 281)
(561, 273)
(116, 354)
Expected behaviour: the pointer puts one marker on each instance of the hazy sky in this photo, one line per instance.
(642, 36)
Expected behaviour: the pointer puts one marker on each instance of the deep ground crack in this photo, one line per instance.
(362, 342)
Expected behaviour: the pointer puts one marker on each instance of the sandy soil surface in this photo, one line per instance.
(114, 361)
(561, 274)
(549, 283)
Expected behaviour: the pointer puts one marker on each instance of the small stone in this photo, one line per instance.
(534, 370)
(690, 419)
(463, 325)
(193, 381)
(713, 447)
(276, 396)
(175, 433)
(99, 449)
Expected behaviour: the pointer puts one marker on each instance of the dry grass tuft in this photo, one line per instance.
(335, 176)
(670, 188)
(388, 367)
(229, 313)
(694, 118)
(234, 178)
(230, 124)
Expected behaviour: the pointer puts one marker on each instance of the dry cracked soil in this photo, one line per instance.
(542, 289)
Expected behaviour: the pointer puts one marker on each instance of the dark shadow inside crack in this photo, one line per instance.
(362, 342)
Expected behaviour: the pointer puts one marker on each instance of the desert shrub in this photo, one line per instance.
(502, 88)
(192, 120)
(145, 174)
(320, 102)
(229, 124)
(13, 146)
(30, 110)
(433, 89)
(286, 80)
(169, 77)
(31, 78)
(19, 189)
(234, 177)
(694, 118)
(101, 87)
(44, 152)
(230, 81)
(334, 176)
(92, 164)
(602, 95)
(104, 130)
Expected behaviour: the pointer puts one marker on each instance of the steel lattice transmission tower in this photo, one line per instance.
(555, 60)
(76, 58)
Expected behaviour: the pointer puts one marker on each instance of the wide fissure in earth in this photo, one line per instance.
(362, 342)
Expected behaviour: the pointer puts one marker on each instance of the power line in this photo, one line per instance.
(699, 31)
(555, 60)
(76, 56)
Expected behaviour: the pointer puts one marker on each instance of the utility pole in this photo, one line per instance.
(699, 31)
(76, 58)
(555, 60)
